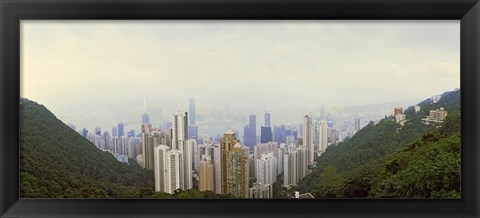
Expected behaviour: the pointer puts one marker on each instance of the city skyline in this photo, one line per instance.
(297, 65)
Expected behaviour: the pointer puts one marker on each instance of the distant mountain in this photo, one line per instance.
(378, 107)
(57, 162)
(389, 160)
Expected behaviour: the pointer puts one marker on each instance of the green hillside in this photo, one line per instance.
(388, 160)
(57, 162)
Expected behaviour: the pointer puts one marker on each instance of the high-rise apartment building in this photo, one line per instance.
(280, 152)
(106, 139)
(357, 124)
(207, 174)
(160, 153)
(188, 163)
(217, 168)
(174, 171)
(295, 164)
(116, 145)
(150, 138)
(266, 169)
(302, 162)
(179, 129)
(234, 166)
(308, 137)
(290, 168)
(323, 136)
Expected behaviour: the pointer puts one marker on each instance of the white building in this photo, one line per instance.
(266, 169)
(179, 129)
(174, 171)
(140, 159)
(259, 190)
(121, 157)
(290, 168)
(290, 140)
(295, 165)
(160, 169)
(417, 108)
(324, 136)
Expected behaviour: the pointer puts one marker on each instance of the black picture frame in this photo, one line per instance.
(12, 11)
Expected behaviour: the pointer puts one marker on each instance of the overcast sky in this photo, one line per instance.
(92, 66)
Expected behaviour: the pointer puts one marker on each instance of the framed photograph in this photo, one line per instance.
(239, 108)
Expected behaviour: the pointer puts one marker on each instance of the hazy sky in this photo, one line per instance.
(80, 68)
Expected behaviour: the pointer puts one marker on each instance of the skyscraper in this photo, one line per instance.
(206, 178)
(98, 131)
(217, 167)
(290, 168)
(250, 131)
(192, 127)
(114, 131)
(191, 111)
(116, 146)
(302, 162)
(307, 137)
(266, 134)
(84, 133)
(160, 153)
(149, 139)
(124, 145)
(179, 129)
(121, 129)
(187, 150)
(174, 171)
(234, 166)
(106, 139)
(357, 124)
(267, 119)
(131, 134)
(266, 169)
(145, 117)
(323, 136)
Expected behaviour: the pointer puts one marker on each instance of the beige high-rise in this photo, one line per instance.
(207, 179)
(234, 166)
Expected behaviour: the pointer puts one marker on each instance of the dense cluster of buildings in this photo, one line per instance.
(245, 166)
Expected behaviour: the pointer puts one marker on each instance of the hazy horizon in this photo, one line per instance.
(96, 73)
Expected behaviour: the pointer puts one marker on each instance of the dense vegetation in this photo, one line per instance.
(390, 161)
(57, 162)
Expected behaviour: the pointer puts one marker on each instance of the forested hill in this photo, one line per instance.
(388, 160)
(57, 162)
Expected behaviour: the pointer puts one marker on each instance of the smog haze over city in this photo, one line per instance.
(97, 73)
